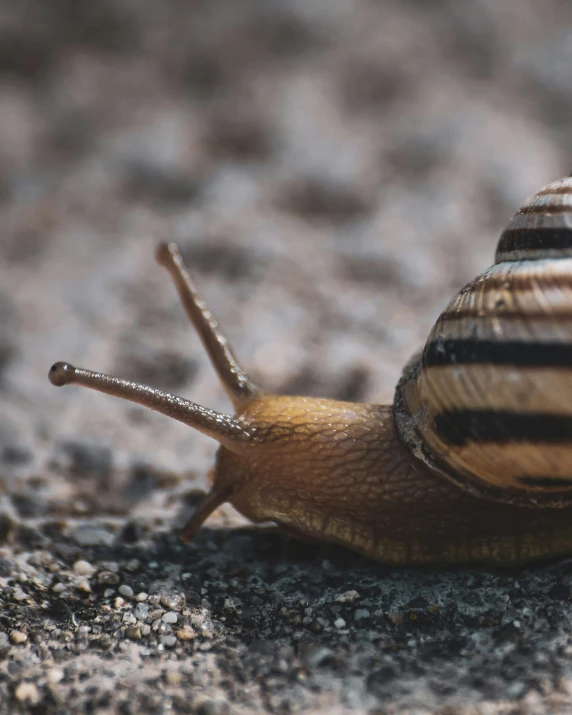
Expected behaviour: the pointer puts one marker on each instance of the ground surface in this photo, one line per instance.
(334, 171)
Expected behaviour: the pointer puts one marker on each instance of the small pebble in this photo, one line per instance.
(107, 578)
(340, 623)
(108, 593)
(133, 633)
(347, 597)
(125, 590)
(84, 586)
(27, 693)
(169, 641)
(171, 600)
(186, 633)
(118, 602)
(58, 588)
(142, 596)
(55, 675)
(142, 611)
(169, 617)
(145, 629)
(87, 535)
(83, 568)
(18, 637)
(360, 614)
(173, 677)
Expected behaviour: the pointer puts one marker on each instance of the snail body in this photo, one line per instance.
(472, 463)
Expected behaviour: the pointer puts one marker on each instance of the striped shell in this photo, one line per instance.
(488, 403)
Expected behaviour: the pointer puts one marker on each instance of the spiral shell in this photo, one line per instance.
(488, 403)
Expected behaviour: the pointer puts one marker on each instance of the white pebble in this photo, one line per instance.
(340, 623)
(169, 617)
(169, 641)
(125, 590)
(27, 693)
(55, 675)
(58, 588)
(142, 596)
(118, 602)
(108, 593)
(347, 597)
(360, 614)
(83, 568)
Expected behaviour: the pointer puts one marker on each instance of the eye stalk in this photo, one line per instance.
(226, 429)
(236, 382)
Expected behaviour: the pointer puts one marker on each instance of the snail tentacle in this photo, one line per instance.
(229, 431)
(236, 382)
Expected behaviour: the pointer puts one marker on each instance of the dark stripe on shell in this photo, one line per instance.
(458, 427)
(545, 482)
(513, 280)
(455, 352)
(544, 208)
(535, 239)
(565, 188)
(555, 317)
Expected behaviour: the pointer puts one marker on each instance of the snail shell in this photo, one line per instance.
(488, 402)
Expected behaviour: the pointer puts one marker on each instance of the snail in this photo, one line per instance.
(472, 462)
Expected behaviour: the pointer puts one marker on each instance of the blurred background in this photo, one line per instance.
(334, 170)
